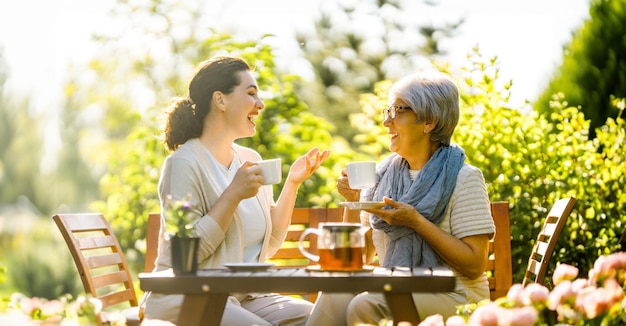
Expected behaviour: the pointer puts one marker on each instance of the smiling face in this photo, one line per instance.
(407, 131)
(409, 134)
(242, 106)
(417, 133)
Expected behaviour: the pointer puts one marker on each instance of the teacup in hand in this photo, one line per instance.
(271, 170)
(361, 175)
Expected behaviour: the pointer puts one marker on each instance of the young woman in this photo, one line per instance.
(237, 217)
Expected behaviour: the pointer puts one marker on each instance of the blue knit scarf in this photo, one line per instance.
(429, 193)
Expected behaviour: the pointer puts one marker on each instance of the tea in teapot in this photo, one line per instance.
(340, 246)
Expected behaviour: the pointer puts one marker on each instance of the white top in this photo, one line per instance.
(250, 211)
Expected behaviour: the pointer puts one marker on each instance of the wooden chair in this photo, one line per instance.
(152, 241)
(539, 259)
(100, 263)
(499, 266)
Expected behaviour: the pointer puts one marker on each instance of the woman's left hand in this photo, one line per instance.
(398, 213)
(306, 165)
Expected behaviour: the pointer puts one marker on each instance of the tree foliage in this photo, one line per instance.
(593, 66)
(356, 44)
(286, 128)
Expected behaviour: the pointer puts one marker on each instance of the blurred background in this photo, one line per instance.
(83, 84)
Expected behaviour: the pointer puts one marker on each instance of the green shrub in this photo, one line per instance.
(40, 263)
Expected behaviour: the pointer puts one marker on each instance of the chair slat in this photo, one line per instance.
(103, 260)
(300, 216)
(533, 266)
(83, 223)
(96, 242)
(107, 279)
(294, 236)
(541, 249)
(116, 297)
(539, 259)
(288, 253)
(549, 229)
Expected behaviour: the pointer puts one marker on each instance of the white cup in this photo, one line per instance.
(271, 170)
(361, 175)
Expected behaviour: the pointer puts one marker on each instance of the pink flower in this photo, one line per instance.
(455, 321)
(524, 316)
(593, 301)
(535, 293)
(607, 266)
(52, 307)
(614, 290)
(579, 284)
(561, 293)
(564, 272)
(486, 315)
(515, 294)
(432, 320)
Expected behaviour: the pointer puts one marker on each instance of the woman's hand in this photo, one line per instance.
(306, 165)
(343, 187)
(398, 214)
(246, 182)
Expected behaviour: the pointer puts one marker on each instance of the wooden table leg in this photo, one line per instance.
(402, 308)
(202, 309)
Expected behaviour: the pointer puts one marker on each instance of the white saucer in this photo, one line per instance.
(248, 267)
(362, 204)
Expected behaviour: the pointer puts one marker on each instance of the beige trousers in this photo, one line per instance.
(258, 309)
(339, 309)
(268, 309)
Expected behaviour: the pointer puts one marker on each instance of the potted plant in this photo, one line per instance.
(179, 225)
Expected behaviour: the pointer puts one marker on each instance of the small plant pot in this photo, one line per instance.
(185, 255)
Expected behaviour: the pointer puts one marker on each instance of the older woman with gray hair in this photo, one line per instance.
(437, 209)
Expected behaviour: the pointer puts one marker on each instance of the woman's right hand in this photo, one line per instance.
(247, 181)
(343, 187)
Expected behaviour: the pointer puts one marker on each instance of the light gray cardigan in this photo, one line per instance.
(185, 171)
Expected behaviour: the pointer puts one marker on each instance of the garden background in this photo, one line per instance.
(569, 142)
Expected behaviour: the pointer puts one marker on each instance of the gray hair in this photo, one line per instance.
(434, 98)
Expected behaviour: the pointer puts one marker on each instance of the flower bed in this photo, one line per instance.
(22, 310)
(596, 300)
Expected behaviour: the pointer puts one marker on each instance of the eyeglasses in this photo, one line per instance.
(392, 111)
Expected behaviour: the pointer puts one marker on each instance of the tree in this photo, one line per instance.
(594, 65)
(357, 44)
(21, 147)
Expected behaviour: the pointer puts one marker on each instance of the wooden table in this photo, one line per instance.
(207, 291)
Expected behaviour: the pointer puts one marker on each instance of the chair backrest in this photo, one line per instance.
(152, 241)
(98, 257)
(302, 218)
(499, 266)
(539, 259)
